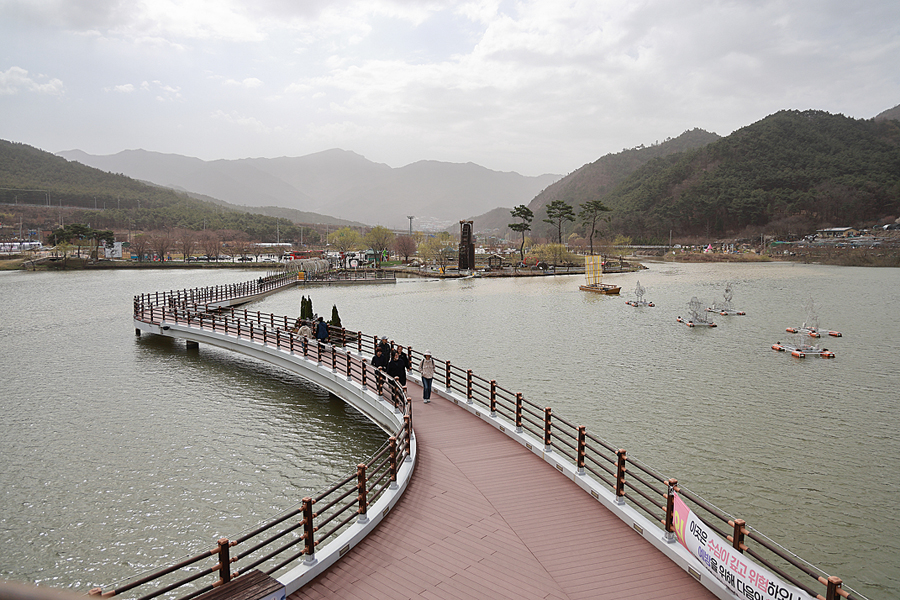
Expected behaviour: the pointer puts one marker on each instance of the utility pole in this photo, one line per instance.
(410, 217)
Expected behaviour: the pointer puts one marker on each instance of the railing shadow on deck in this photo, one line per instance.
(628, 487)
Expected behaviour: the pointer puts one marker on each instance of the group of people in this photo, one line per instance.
(393, 361)
(396, 363)
(304, 330)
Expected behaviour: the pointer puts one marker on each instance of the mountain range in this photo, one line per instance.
(334, 182)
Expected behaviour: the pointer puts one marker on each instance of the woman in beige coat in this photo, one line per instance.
(426, 368)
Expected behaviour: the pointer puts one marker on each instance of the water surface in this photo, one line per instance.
(119, 450)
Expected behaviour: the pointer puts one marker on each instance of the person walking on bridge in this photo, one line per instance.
(322, 330)
(399, 365)
(380, 360)
(385, 350)
(426, 368)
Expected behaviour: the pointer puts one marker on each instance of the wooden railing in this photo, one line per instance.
(294, 535)
(350, 275)
(629, 479)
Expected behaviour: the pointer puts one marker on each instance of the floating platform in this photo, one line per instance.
(812, 332)
(691, 323)
(803, 350)
(639, 303)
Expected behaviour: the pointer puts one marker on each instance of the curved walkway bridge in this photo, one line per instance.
(479, 494)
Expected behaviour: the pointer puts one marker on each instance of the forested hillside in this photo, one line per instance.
(37, 181)
(793, 171)
(595, 180)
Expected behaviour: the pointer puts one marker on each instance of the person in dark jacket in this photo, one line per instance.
(385, 350)
(399, 365)
(322, 330)
(380, 360)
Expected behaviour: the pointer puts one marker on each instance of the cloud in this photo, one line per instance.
(16, 79)
(249, 83)
(551, 82)
(233, 118)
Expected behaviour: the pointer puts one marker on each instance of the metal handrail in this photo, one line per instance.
(641, 487)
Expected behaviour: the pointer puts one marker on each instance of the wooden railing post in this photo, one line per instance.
(518, 412)
(469, 399)
(407, 428)
(620, 476)
(364, 367)
(349, 364)
(379, 382)
(318, 352)
(670, 511)
(448, 383)
(309, 532)
(582, 449)
(394, 392)
(224, 561)
(393, 463)
(333, 359)
(361, 490)
(834, 584)
(548, 415)
(737, 539)
(493, 398)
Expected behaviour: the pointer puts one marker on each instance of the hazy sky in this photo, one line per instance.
(534, 87)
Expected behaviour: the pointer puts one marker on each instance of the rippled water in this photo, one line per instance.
(132, 444)
(121, 453)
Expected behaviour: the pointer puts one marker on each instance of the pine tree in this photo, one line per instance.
(335, 317)
(306, 311)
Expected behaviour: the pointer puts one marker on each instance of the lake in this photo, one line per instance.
(123, 452)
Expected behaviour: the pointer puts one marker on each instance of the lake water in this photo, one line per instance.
(123, 452)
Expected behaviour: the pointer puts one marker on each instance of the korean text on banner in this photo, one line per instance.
(739, 574)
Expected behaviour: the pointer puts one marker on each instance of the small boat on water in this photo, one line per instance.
(593, 276)
(803, 350)
(639, 292)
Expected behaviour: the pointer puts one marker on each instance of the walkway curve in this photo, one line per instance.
(498, 490)
(486, 518)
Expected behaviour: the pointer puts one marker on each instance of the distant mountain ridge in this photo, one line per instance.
(335, 182)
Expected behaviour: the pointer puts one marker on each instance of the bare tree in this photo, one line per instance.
(241, 243)
(140, 244)
(405, 246)
(186, 241)
(211, 244)
(161, 243)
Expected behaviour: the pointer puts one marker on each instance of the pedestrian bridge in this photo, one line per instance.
(478, 494)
